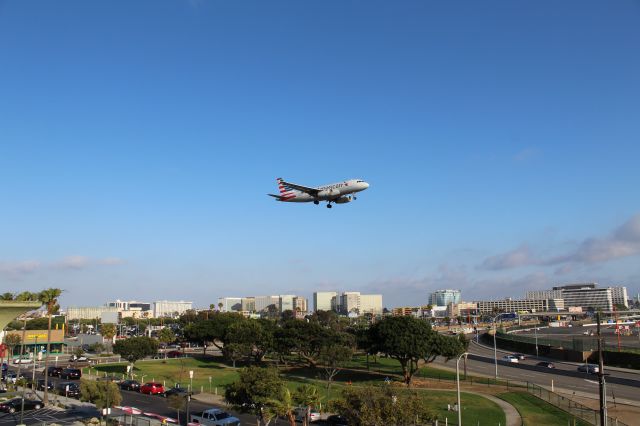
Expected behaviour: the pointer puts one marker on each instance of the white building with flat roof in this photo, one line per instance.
(230, 304)
(371, 304)
(169, 308)
(262, 303)
(324, 300)
(619, 296)
(89, 312)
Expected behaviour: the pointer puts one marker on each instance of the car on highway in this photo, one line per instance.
(588, 368)
(15, 405)
(54, 371)
(546, 364)
(71, 374)
(152, 388)
(70, 389)
(131, 385)
(510, 358)
(520, 356)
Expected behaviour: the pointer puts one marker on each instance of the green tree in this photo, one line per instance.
(307, 339)
(166, 335)
(103, 394)
(409, 341)
(108, 332)
(214, 330)
(135, 348)
(307, 396)
(27, 296)
(386, 405)
(7, 296)
(236, 352)
(12, 340)
(333, 356)
(254, 336)
(49, 299)
(262, 392)
(97, 348)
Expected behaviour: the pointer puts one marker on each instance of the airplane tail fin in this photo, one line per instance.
(285, 191)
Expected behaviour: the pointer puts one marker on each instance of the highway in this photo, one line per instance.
(565, 376)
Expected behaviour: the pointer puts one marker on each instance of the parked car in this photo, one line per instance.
(131, 385)
(510, 358)
(301, 413)
(520, 356)
(70, 389)
(13, 377)
(15, 405)
(546, 364)
(54, 371)
(40, 385)
(336, 420)
(71, 373)
(180, 391)
(22, 361)
(81, 358)
(152, 388)
(215, 417)
(588, 368)
(174, 354)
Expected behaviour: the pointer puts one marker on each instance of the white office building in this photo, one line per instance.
(285, 302)
(90, 312)
(619, 296)
(230, 304)
(169, 308)
(371, 304)
(324, 300)
(262, 303)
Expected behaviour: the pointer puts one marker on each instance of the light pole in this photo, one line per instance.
(458, 385)
(536, 333)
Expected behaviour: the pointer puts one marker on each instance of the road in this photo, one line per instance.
(565, 376)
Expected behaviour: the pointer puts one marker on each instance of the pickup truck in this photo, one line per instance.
(215, 417)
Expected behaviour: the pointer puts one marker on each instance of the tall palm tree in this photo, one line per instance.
(49, 298)
(307, 396)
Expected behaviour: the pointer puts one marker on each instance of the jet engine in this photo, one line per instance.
(344, 199)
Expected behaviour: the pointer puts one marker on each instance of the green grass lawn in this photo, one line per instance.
(535, 411)
(475, 407)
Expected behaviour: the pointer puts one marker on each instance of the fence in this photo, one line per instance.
(572, 407)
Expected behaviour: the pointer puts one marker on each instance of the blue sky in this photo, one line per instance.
(138, 140)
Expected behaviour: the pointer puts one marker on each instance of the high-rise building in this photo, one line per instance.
(619, 296)
(349, 302)
(513, 305)
(263, 303)
(285, 302)
(248, 304)
(230, 304)
(588, 298)
(371, 304)
(75, 313)
(300, 304)
(543, 294)
(324, 300)
(445, 297)
(168, 308)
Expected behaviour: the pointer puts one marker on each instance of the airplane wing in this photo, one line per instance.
(311, 191)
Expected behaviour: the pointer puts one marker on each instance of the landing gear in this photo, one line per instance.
(329, 205)
(316, 202)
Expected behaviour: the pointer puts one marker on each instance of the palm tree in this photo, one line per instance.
(49, 298)
(307, 396)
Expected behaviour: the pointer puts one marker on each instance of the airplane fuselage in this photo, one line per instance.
(339, 192)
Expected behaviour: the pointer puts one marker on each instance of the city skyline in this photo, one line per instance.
(500, 142)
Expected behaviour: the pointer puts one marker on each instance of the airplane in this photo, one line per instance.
(338, 193)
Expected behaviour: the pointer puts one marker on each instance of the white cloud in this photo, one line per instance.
(17, 270)
(624, 241)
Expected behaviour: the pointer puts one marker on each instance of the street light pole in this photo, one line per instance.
(536, 332)
(458, 385)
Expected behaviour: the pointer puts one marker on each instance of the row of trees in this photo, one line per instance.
(262, 392)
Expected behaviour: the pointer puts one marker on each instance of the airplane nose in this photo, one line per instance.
(366, 185)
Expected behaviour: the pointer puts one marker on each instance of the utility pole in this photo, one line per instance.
(603, 396)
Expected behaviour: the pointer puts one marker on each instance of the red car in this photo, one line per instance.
(152, 388)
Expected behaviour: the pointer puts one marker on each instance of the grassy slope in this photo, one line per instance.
(475, 407)
(535, 411)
